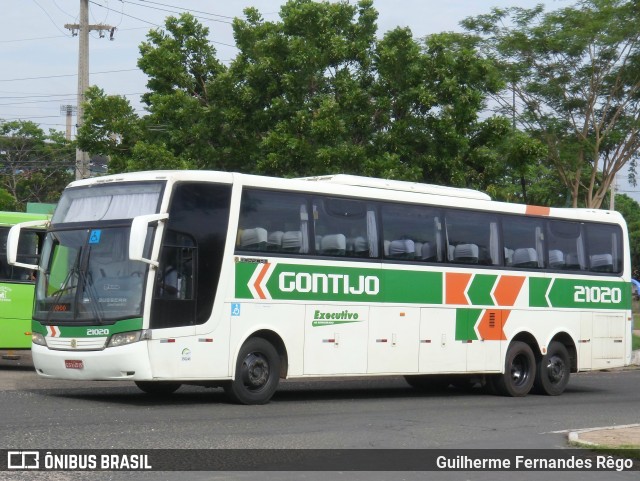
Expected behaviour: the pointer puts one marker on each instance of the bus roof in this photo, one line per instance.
(364, 187)
(400, 185)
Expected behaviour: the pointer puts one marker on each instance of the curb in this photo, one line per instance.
(574, 436)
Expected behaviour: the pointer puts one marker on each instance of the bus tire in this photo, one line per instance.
(257, 373)
(158, 388)
(554, 369)
(519, 372)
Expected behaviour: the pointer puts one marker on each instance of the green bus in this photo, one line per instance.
(17, 283)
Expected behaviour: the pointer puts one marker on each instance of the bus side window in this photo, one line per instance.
(175, 273)
(566, 245)
(523, 242)
(344, 227)
(411, 232)
(604, 247)
(274, 222)
(28, 253)
(472, 237)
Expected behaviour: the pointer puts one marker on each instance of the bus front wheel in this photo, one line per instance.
(553, 370)
(519, 372)
(257, 373)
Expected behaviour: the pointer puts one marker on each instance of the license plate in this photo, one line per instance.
(73, 364)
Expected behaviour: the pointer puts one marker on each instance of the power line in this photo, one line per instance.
(181, 10)
(49, 16)
(67, 75)
(189, 10)
(14, 118)
(38, 101)
(33, 38)
(62, 148)
(14, 40)
(67, 99)
(160, 26)
(58, 95)
(35, 96)
(126, 15)
(65, 36)
(63, 11)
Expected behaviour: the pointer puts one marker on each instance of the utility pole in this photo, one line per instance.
(68, 110)
(82, 30)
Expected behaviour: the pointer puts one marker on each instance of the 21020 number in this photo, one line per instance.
(604, 295)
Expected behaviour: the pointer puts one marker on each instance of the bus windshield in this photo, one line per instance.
(108, 202)
(87, 276)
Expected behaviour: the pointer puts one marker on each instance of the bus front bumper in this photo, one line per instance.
(129, 362)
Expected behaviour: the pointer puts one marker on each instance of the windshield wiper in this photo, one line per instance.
(66, 286)
(88, 289)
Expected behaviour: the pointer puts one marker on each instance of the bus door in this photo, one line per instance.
(187, 280)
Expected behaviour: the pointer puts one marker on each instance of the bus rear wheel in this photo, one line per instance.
(257, 373)
(519, 372)
(553, 370)
(158, 387)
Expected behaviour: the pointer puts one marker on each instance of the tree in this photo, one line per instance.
(576, 74)
(630, 210)
(35, 167)
(110, 128)
(312, 93)
(7, 202)
(302, 87)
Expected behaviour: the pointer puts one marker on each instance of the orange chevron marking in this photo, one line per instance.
(456, 285)
(537, 210)
(507, 289)
(491, 326)
(263, 272)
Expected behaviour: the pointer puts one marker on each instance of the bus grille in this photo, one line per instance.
(76, 344)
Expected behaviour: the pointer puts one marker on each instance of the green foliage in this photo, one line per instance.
(35, 166)
(146, 156)
(303, 88)
(312, 93)
(630, 210)
(575, 74)
(7, 202)
(111, 127)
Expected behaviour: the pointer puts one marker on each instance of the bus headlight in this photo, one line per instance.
(123, 338)
(38, 338)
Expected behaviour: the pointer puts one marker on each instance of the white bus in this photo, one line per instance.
(236, 281)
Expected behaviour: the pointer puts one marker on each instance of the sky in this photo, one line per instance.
(39, 56)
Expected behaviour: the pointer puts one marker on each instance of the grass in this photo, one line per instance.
(635, 340)
(624, 451)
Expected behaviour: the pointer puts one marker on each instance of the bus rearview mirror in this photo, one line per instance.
(138, 237)
(13, 240)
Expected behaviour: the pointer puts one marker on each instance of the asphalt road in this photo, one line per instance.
(345, 414)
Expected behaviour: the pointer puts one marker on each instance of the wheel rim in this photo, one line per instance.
(255, 371)
(555, 369)
(520, 370)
